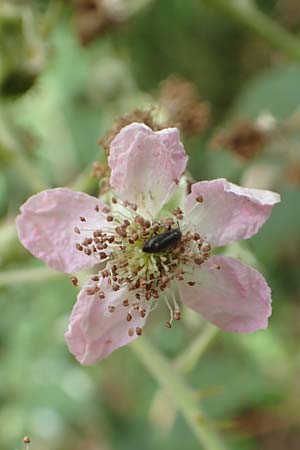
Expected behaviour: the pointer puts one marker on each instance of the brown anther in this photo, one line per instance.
(95, 278)
(88, 251)
(105, 273)
(139, 220)
(138, 331)
(147, 295)
(164, 280)
(26, 440)
(199, 198)
(125, 303)
(114, 200)
(74, 281)
(169, 221)
(177, 315)
(111, 309)
(82, 219)
(192, 283)
(102, 255)
(131, 241)
(101, 295)
(143, 313)
(129, 317)
(76, 229)
(111, 239)
(79, 247)
(126, 223)
(199, 261)
(106, 210)
(217, 266)
(90, 291)
(89, 241)
(168, 324)
(147, 224)
(97, 208)
(135, 236)
(120, 231)
(109, 218)
(133, 206)
(138, 296)
(130, 332)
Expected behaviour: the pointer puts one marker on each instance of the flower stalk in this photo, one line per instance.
(248, 14)
(179, 393)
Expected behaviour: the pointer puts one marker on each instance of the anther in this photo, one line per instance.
(168, 324)
(192, 283)
(199, 198)
(142, 313)
(74, 281)
(79, 247)
(111, 309)
(88, 251)
(82, 219)
(114, 200)
(95, 278)
(109, 218)
(138, 331)
(97, 208)
(177, 315)
(125, 302)
(76, 229)
(129, 317)
(26, 440)
(199, 261)
(130, 332)
(101, 295)
(106, 210)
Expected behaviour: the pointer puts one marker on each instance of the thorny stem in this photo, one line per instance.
(179, 393)
(247, 13)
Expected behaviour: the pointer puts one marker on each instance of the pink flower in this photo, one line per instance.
(72, 231)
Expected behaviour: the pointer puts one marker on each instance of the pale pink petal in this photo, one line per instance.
(94, 332)
(146, 165)
(228, 212)
(46, 227)
(229, 294)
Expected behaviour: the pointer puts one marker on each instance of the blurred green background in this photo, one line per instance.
(67, 70)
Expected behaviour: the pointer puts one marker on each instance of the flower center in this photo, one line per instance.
(145, 256)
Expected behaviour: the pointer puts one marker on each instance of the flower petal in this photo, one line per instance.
(229, 294)
(46, 227)
(94, 332)
(146, 165)
(228, 212)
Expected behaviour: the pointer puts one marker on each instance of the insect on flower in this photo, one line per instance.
(164, 242)
(151, 243)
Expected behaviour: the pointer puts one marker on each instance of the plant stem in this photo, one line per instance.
(247, 13)
(187, 360)
(179, 393)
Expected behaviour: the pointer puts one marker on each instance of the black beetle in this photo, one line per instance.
(164, 242)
